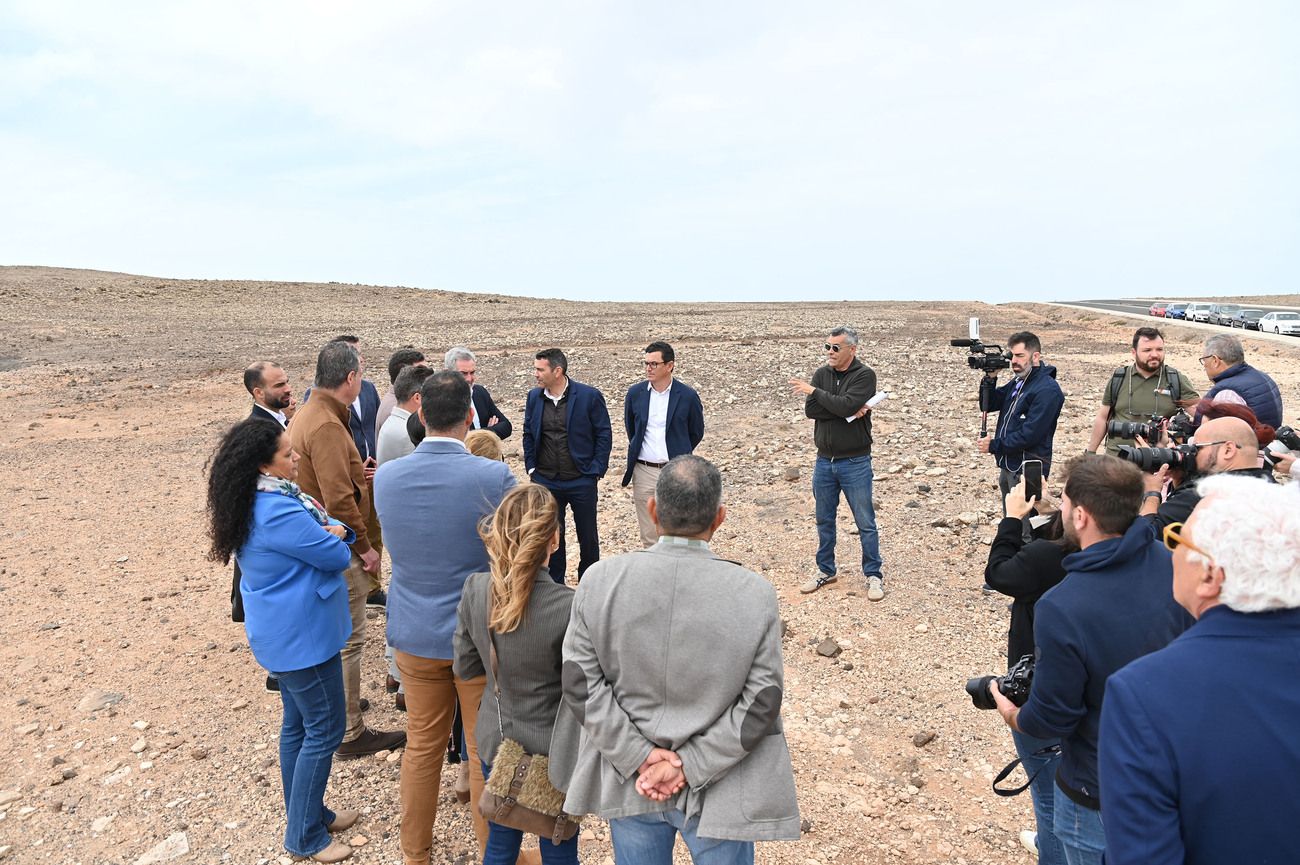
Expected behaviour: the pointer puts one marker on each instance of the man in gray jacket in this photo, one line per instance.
(836, 400)
(651, 738)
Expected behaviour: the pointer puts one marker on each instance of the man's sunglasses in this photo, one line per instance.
(1173, 538)
(835, 347)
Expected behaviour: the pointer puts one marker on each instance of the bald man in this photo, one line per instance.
(1223, 445)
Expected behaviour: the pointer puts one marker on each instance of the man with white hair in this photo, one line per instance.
(486, 414)
(1200, 758)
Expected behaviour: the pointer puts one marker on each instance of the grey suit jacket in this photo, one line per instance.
(528, 659)
(673, 647)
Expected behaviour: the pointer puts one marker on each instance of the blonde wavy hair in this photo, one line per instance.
(484, 443)
(518, 539)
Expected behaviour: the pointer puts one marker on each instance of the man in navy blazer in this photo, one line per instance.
(486, 414)
(1200, 761)
(431, 502)
(664, 419)
(567, 439)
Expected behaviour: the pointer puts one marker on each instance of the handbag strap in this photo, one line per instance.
(492, 660)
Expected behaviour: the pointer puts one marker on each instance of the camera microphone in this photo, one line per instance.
(963, 343)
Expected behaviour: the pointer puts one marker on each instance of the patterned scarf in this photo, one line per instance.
(268, 484)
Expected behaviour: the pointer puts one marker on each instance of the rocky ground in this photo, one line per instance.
(135, 712)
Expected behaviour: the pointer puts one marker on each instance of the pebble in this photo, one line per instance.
(95, 699)
(8, 797)
(923, 738)
(239, 704)
(394, 757)
(199, 753)
(172, 847)
(358, 841)
(138, 746)
(922, 628)
(99, 824)
(27, 729)
(828, 648)
(141, 725)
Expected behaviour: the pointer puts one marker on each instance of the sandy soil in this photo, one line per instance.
(115, 389)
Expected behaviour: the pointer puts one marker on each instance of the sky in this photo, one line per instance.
(931, 149)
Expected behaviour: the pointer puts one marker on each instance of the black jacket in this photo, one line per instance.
(1023, 572)
(487, 409)
(837, 396)
(1182, 501)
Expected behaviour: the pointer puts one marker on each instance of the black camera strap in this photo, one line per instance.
(1050, 750)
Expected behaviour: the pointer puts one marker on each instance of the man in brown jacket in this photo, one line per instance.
(330, 470)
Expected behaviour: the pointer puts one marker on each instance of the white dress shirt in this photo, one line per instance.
(394, 442)
(654, 445)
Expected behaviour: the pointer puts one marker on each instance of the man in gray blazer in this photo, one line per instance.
(430, 503)
(648, 736)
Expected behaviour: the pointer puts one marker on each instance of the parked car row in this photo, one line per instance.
(1230, 315)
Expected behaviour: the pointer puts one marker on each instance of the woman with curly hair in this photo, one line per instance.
(292, 556)
(528, 614)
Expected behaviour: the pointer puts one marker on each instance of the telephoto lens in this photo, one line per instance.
(1014, 685)
(1151, 459)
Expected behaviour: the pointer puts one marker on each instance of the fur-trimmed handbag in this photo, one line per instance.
(519, 793)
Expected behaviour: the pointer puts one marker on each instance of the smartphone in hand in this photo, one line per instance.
(1033, 474)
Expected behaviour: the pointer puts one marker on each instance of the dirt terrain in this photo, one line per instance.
(134, 712)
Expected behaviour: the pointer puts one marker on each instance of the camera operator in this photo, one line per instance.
(1027, 406)
(1113, 606)
(1143, 390)
(1024, 572)
(1226, 443)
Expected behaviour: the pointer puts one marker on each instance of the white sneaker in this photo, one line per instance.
(875, 588)
(1029, 840)
(816, 583)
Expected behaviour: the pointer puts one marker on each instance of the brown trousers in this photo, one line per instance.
(431, 694)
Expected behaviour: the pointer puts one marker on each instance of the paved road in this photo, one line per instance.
(1137, 308)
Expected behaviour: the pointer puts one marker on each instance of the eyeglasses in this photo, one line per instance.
(1205, 358)
(836, 346)
(1173, 538)
(1198, 445)
(655, 364)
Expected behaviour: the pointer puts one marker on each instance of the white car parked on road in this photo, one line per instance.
(1197, 312)
(1280, 322)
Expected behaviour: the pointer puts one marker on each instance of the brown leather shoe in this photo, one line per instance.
(344, 820)
(400, 702)
(370, 742)
(337, 851)
(391, 685)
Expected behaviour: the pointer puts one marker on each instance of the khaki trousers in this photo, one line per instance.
(431, 694)
(644, 479)
(358, 587)
(375, 535)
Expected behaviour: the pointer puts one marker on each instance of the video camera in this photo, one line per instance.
(1014, 685)
(987, 358)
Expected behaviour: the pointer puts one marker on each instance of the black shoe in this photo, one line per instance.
(273, 684)
(364, 704)
(400, 702)
(378, 599)
(371, 742)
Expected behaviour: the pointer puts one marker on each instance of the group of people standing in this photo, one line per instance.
(480, 622)
(1159, 608)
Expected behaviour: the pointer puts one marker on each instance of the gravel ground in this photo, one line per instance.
(136, 712)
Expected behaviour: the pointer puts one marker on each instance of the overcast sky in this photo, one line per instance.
(661, 151)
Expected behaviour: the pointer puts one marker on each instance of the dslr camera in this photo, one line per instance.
(986, 358)
(1151, 459)
(1179, 428)
(1014, 685)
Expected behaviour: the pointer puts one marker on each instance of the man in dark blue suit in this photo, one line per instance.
(567, 439)
(486, 414)
(1199, 759)
(664, 419)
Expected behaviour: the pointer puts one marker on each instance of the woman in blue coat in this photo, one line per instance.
(296, 614)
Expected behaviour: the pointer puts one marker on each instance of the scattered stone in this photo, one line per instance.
(922, 628)
(172, 847)
(588, 835)
(96, 700)
(141, 725)
(239, 704)
(845, 704)
(199, 753)
(922, 488)
(923, 738)
(828, 648)
(138, 746)
(4, 850)
(358, 841)
(50, 626)
(99, 824)
(394, 757)
(8, 797)
(27, 729)
(846, 666)
(805, 826)
(912, 503)
(791, 473)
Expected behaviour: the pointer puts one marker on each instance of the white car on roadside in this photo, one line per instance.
(1280, 322)
(1197, 312)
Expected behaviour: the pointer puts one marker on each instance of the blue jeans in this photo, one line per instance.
(315, 714)
(580, 495)
(1043, 792)
(647, 839)
(503, 844)
(1079, 831)
(852, 475)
